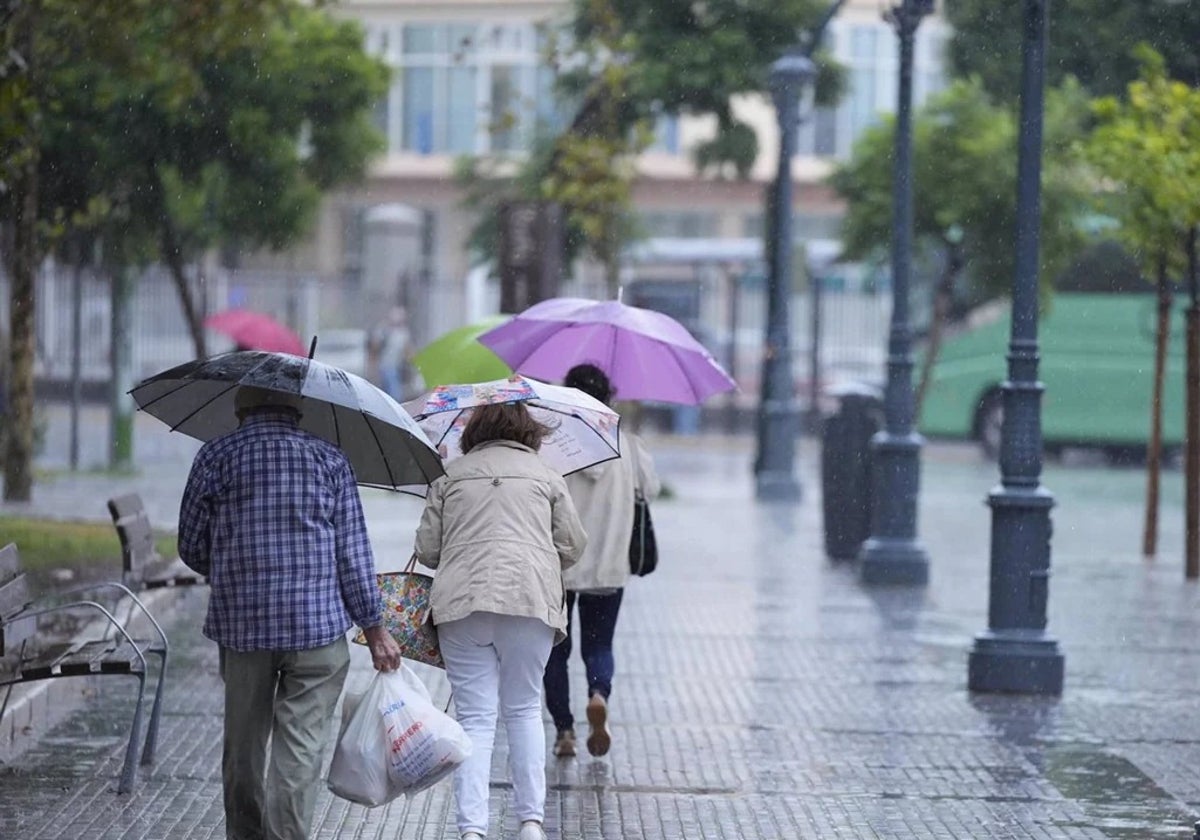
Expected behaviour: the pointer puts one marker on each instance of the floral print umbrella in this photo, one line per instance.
(585, 429)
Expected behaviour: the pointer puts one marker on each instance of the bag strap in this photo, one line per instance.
(412, 564)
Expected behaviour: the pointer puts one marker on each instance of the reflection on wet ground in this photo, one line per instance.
(763, 692)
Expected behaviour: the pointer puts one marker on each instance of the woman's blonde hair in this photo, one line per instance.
(504, 421)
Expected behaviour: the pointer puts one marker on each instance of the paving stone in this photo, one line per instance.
(761, 691)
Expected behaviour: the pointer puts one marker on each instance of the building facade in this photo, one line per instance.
(469, 78)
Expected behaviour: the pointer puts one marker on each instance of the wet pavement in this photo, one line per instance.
(761, 691)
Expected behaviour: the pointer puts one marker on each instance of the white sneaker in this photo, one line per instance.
(531, 830)
(471, 835)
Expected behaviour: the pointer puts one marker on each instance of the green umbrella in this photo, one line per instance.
(457, 357)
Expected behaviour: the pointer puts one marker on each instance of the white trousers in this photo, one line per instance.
(495, 665)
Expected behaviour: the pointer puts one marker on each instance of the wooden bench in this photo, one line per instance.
(142, 566)
(25, 656)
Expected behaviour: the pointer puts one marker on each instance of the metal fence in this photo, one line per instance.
(728, 314)
(160, 333)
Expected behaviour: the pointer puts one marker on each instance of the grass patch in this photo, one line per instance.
(83, 546)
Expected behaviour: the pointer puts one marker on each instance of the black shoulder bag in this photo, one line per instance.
(643, 548)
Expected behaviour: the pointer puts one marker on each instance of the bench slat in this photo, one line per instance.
(43, 662)
(142, 564)
(75, 660)
(14, 596)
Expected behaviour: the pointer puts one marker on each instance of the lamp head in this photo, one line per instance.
(791, 71)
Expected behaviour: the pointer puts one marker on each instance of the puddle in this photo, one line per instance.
(1120, 799)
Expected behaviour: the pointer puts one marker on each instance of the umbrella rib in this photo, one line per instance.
(587, 426)
(205, 404)
(386, 465)
(202, 406)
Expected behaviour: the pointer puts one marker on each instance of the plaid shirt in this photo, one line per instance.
(271, 515)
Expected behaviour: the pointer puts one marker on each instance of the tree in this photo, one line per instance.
(1146, 154)
(695, 58)
(1091, 40)
(624, 64)
(275, 114)
(166, 127)
(964, 175)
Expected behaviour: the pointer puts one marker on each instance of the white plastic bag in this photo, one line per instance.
(394, 741)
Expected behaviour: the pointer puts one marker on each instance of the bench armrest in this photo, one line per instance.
(90, 587)
(112, 619)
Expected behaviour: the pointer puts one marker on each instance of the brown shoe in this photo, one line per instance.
(564, 744)
(598, 740)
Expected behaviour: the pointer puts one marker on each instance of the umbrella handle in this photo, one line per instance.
(312, 348)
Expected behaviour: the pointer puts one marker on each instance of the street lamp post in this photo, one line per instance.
(1015, 654)
(892, 554)
(778, 417)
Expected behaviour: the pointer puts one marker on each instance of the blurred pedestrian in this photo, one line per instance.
(393, 352)
(604, 495)
(500, 528)
(272, 517)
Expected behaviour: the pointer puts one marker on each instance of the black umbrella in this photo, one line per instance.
(385, 445)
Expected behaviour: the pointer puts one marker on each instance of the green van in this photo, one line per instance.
(1097, 363)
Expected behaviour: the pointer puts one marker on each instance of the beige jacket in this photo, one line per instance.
(499, 527)
(603, 494)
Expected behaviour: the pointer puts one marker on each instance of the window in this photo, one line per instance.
(869, 52)
(463, 88)
(666, 134)
(864, 69)
(679, 224)
(825, 132)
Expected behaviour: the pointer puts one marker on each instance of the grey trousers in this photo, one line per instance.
(288, 698)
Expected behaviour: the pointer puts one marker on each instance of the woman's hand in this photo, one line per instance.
(385, 653)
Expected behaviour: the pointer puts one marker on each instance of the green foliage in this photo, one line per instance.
(964, 182)
(233, 138)
(627, 64)
(695, 58)
(51, 543)
(1146, 154)
(1092, 40)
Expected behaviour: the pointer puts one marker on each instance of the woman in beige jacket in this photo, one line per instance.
(604, 496)
(500, 528)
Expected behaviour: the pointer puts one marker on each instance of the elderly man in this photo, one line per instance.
(271, 515)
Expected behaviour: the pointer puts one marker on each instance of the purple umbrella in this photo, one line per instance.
(646, 354)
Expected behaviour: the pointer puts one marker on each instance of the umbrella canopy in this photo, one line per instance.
(585, 430)
(646, 354)
(255, 331)
(385, 446)
(457, 356)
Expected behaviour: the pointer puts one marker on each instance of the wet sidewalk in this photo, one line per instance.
(762, 692)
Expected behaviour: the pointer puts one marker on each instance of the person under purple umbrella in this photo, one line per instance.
(604, 497)
(646, 355)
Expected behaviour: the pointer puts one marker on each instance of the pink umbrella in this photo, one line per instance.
(646, 354)
(256, 331)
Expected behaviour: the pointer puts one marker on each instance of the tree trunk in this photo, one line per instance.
(121, 409)
(173, 256)
(943, 297)
(19, 437)
(1192, 416)
(18, 457)
(612, 257)
(1154, 451)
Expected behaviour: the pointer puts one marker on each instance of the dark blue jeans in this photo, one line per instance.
(597, 623)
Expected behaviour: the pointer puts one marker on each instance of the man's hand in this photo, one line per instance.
(385, 653)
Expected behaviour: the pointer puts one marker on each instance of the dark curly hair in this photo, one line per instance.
(504, 421)
(591, 380)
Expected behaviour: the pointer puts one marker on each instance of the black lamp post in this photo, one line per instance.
(1015, 654)
(892, 555)
(778, 416)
